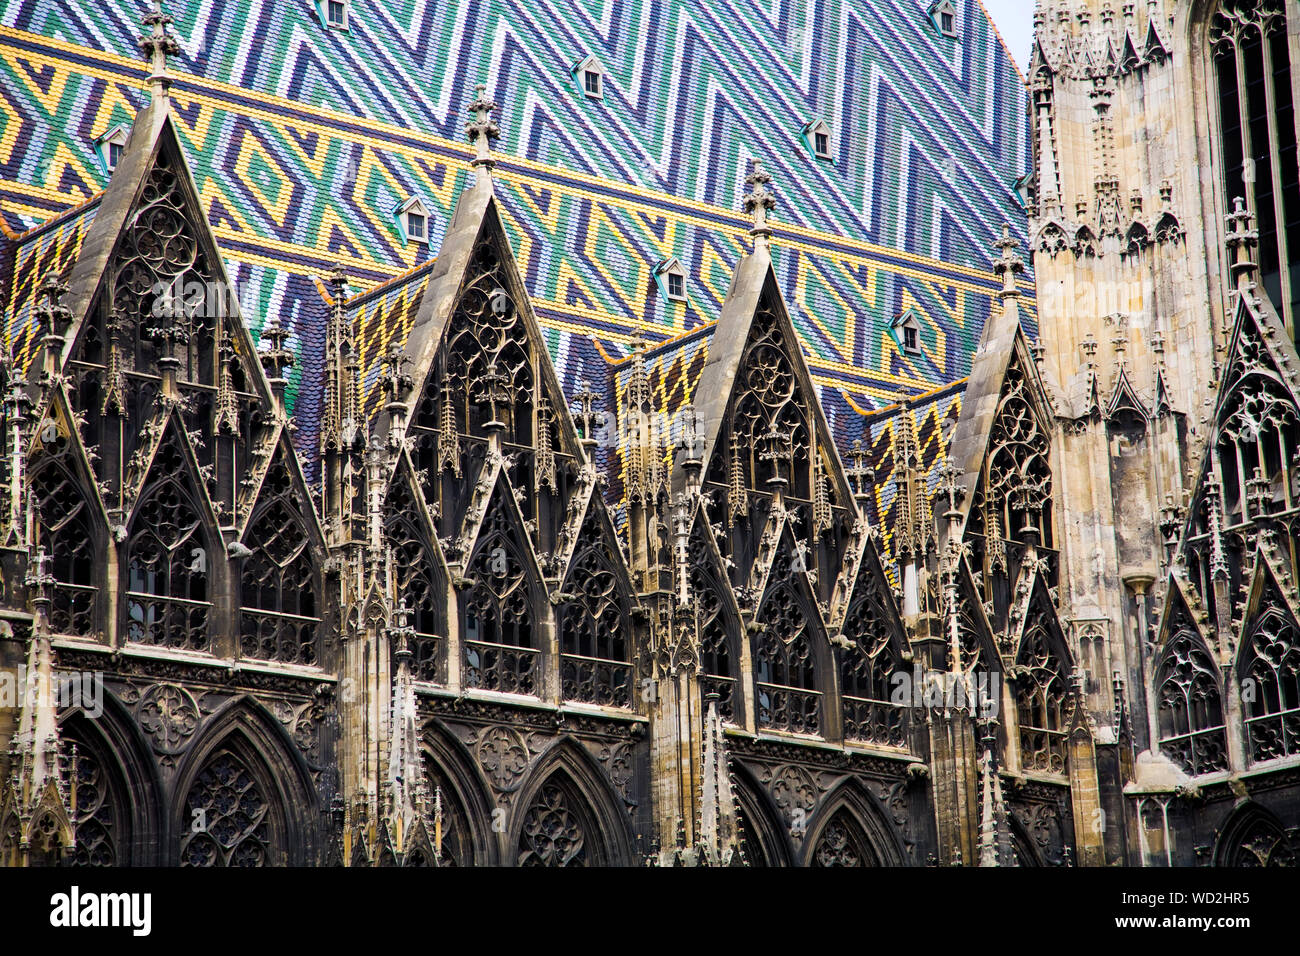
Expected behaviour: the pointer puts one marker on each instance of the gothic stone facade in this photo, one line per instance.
(502, 625)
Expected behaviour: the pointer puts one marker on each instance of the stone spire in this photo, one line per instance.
(156, 46)
(759, 201)
(40, 790)
(482, 130)
(719, 841)
(17, 414)
(406, 806)
(995, 844)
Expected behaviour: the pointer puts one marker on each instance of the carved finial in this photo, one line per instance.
(860, 473)
(276, 359)
(494, 393)
(396, 380)
(758, 202)
(950, 488)
(156, 46)
(1241, 242)
(1008, 265)
(54, 317)
(775, 447)
(585, 416)
(402, 633)
(338, 283)
(691, 442)
(482, 130)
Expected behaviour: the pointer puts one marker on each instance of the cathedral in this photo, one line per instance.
(765, 437)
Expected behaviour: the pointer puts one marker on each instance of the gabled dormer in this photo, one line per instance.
(907, 331)
(590, 76)
(413, 221)
(816, 135)
(944, 17)
(670, 277)
(110, 146)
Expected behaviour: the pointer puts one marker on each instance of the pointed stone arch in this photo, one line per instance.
(119, 811)
(718, 627)
(469, 838)
(504, 602)
(1268, 669)
(174, 562)
(852, 830)
(1189, 692)
(568, 813)
(1253, 837)
(765, 839)
(595, 631)
(258, 802)
(878, 650)
(794, 674)
(70, 524)
(420, 572)
(280, 586)
(1026, 853)
(1046, 701)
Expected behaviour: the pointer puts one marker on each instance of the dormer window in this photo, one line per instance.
(591, 75)
(818, 136)
(908, 328)
(336, 14)
(413, 219)
(672, 279)
(945, 17)
(111, 145)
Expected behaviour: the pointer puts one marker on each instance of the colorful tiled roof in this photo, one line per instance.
(47, 249)
(303, 142)
(932, 416)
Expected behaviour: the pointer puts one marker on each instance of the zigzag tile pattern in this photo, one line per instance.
(45, 250)
(933, 418)
(298, 171)
(928, 137)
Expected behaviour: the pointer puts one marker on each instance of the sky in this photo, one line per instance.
(1015, 21)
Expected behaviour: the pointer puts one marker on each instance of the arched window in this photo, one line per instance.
(866, 671)
(843, 844)
(718, 662)
(557, 829)
(1270, 686)
(457, 846)
(1254, 838)
(168, 565)
(1259, 437)
(1257, 136)
(101, 816)
(1192, 732)
(594, 630)
(786, 692)
(67, 537)
(497, 609)
(1018, 483)
(229, 820)
(1043, 701)
(418, 583)
(279, 616)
